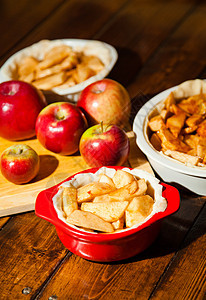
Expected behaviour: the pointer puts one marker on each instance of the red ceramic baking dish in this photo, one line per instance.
(108, 247)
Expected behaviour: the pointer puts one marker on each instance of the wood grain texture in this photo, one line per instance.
(160, 44)
(147, 25)
(19, 20)
(181, 57)
(27, 257)
(190, 260)
(72, 19)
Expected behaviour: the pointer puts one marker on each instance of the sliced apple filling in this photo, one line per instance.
(179, 129)
(108, 204)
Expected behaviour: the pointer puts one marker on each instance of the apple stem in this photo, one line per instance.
(102, 127)
(60, 115)
(11, 93)
(96, 91)
(19, 151)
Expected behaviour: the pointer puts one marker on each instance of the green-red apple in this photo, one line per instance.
(19, 163)
(104, 145)
(106, 100)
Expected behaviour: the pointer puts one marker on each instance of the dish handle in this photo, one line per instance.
(171, 194)
(44, 207)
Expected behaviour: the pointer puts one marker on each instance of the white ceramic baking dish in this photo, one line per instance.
(169, 169)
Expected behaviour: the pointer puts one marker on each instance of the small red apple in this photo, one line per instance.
(59, 127)
(106, 100)
(104, 145)
(20, 104)
(19, 163)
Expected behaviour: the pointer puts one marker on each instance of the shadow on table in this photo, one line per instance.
(48, 164)
(127, 66)
(137, 102)
(52, 97)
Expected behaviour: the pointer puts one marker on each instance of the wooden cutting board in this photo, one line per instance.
(54, 168)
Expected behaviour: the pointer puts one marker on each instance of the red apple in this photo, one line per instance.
(20, 104)
(19, 163)
(59, 127)
(104, 145)
(105, 100)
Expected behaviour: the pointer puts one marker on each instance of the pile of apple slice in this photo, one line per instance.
(109, 204)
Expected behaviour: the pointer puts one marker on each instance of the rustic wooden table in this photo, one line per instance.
(160, 44)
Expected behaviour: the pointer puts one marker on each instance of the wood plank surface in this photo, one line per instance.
(32, 258)
(18, 20)
(172, 63)
(141, 35)
(191, 259)
(160, 44)
(72, 19)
